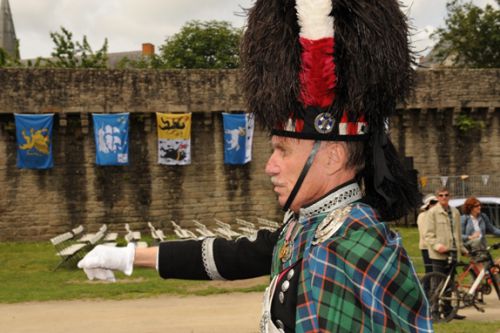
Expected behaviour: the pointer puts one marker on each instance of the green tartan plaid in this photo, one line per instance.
(358, 280)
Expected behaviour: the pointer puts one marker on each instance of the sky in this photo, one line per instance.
(129, 23)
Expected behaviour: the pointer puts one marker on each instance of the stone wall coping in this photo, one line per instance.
(61, 90)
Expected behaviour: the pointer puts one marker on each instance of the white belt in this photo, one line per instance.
(266, 324)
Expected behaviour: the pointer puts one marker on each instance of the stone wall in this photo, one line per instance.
(36, 205)
(82, 91)
(428, 127)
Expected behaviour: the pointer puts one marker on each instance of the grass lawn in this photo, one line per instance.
(26, 275)
(410, 242)
(465, 326)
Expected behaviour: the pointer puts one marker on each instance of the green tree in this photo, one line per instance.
(210, 44)
(70, 54)
(471, 37)
(6, 60)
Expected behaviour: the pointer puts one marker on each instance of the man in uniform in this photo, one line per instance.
(322, 76)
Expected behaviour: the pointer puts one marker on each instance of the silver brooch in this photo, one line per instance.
(324, 123)
(329, 226)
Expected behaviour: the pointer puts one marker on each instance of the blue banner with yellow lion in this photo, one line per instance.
(34, 141)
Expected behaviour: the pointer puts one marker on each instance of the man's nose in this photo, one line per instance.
(271, 166)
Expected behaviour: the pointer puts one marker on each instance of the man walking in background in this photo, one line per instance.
(443, 235)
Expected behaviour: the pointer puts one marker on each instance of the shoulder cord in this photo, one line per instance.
(303, 174)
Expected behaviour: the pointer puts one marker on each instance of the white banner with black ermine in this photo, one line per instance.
(174, 138)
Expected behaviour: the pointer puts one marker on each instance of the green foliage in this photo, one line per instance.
(471, 37)
(466, 123)
(6, 60)
(70, 54)
(4, 57)
(211, 44)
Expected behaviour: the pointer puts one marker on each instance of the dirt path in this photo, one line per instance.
(238, 312)
(491, 310)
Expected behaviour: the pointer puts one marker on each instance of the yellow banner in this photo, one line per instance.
(423, 181)
(173, 126)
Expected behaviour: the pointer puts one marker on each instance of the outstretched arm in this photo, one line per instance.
(211, 258)
(146, 257)
(490, 228)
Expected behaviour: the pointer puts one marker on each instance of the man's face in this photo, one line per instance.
(443, 198)
(284, 167)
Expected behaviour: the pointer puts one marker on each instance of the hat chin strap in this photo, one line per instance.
(302, 175)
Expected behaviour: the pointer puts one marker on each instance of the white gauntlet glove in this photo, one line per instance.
(100, 274)
(99, 262)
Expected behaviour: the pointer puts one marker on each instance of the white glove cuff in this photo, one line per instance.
(130, 255)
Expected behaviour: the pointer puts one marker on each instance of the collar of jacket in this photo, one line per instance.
(339, 197)
(442, 210)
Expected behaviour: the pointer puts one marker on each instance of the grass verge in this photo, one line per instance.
(26, 275)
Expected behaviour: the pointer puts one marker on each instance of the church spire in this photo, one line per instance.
(8, 39)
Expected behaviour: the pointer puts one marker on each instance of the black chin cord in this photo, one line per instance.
(303, 174)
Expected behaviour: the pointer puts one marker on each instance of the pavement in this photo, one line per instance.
(491, 310)
(235, 312)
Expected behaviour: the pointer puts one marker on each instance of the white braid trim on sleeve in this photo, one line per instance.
(207, 253)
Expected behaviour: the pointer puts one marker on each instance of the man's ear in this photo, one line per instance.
(336, 157)
(335, 152)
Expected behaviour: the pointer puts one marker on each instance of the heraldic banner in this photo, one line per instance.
(174, 138)
(111, 138)
(34, 141)
(238, 136)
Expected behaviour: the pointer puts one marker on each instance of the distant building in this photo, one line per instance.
(8, 39)
(114, 59)
(432, 61)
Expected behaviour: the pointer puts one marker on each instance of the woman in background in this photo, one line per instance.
(475, 225)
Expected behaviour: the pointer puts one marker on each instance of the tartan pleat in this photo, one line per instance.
(358, 280)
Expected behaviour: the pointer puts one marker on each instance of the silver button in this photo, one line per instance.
(285, 286)
(324, 123)
(280, 324)
(290, 274)
(281, 297)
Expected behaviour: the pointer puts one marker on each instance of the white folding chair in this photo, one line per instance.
(156, 234)
(136, 235)
(202, 229)
(130, 239)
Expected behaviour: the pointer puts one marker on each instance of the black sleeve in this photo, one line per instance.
(181, 260)
(234, 259)
(243, 258)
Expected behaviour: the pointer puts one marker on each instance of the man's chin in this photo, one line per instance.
(281, 200)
